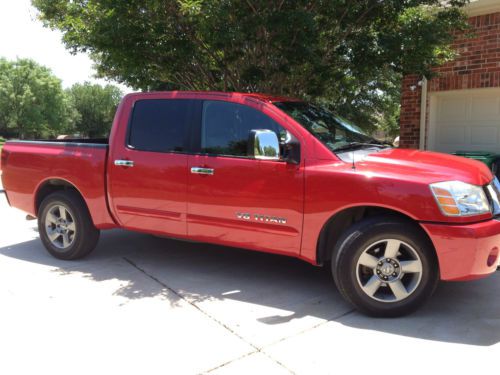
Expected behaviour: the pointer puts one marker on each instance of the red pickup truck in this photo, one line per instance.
(271, 174)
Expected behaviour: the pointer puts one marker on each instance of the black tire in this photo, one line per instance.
(371, 237)
(82, 240)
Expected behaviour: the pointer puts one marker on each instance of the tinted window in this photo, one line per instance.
(226, 127)
(161, 125)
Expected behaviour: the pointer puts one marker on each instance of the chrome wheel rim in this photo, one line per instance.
(389, 270)
(60, 226)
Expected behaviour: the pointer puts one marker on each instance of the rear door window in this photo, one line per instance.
(161, 125)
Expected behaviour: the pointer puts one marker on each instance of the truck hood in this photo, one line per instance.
(423, 166)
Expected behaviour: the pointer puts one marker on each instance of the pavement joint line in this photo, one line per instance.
(230, 361)
(337, 318)
(278, 362)
(248, 355)
(256, 348)
(189, 302)
(334, 319)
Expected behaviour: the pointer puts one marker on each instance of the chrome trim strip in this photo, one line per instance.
(493, 189)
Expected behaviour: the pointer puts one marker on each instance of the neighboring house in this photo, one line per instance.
(460, 108)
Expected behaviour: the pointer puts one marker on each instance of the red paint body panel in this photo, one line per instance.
(235, 187)
(464, 249)
(151, 195)
(31, 165)
(160, 195)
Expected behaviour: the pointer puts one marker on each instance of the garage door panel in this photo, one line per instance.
(484, 108)
(466, 120)
(451, 109)
(484, 135)
(451, 135)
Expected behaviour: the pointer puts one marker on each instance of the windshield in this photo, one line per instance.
(334, 131)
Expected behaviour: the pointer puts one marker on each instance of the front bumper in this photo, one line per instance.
(466, 252)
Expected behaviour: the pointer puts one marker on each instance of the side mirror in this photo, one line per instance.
(264, 145)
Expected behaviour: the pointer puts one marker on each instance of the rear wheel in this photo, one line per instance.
(385, 266)
(65, 226)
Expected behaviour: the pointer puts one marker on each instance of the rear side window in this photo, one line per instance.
(226, 127)
(161, 125)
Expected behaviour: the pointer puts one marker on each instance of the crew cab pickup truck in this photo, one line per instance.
(270, 174)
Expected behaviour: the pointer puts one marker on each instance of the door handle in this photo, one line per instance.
(124, 163)
(201, 170)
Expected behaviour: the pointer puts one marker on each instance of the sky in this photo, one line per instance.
(23, 36)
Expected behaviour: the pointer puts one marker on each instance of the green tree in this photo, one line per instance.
(95, 106)
(349, 54)
(32, 101)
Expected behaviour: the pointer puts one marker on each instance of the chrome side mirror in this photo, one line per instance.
(264, 145)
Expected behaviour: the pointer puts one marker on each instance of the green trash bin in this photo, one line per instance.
(489, 158)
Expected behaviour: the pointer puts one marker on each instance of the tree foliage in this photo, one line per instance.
(32, 101)
(349, 54)
(95, 106)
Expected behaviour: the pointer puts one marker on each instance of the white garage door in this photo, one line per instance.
(467, 120)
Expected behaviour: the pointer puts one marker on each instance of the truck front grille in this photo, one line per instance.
(493, 193)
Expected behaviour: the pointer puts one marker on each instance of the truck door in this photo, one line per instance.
(147, 175)
(237, 200)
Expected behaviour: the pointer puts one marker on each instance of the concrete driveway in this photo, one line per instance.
(141, 304)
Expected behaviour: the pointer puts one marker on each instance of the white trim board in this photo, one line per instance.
(480, 7)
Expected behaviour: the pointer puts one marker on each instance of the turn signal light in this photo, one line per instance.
(451, 210)
(446, 201)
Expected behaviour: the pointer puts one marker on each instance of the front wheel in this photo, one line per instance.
(385, 266)
(65, 226)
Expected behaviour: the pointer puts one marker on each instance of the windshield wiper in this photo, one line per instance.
(353, 145)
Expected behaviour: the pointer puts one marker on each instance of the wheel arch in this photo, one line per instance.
(51, 185)
(335, 226)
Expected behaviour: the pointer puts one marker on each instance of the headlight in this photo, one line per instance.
(456, 198)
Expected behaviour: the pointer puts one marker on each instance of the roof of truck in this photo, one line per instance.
(221, 94)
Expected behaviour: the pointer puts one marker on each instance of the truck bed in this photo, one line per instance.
(29, 166)
(71, 141)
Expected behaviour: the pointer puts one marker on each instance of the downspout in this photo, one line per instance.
(423, 113)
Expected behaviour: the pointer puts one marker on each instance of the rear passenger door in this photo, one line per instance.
(148, 174)
(234, 199)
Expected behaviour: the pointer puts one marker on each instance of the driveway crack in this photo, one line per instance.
(334, 319)
(152, 277)
(256, 348)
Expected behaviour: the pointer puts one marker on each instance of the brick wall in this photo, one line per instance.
(477, 66)
(409, 121)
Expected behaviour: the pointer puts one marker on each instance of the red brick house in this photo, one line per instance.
(460, 108)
